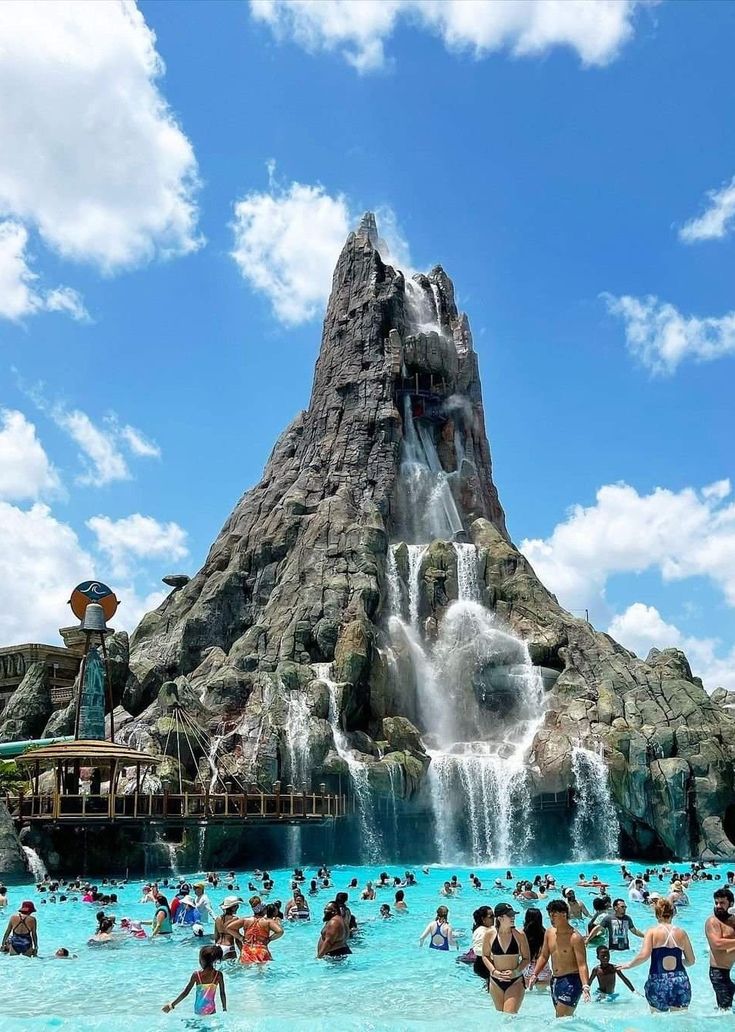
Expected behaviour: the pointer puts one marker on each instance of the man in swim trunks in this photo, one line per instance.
(334, 934)
(565, 947)
(720, 934)
(21, 934)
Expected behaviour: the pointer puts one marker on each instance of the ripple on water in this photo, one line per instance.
(387, 985)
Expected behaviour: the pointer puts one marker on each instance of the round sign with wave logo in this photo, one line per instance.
(93, 591)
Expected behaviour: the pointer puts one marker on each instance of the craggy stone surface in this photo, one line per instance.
(12, 857)
(298, 577)
(29, 708)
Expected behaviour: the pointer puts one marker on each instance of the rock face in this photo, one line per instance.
(29, 707)
(282, 638)
(12, 860)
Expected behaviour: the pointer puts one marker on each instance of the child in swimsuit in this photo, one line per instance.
(206, 981)
(606, 975)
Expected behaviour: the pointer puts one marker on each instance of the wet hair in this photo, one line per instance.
(602, 949)
(106, 925)
(618, 900)
(533, 927)
(559, 906)
(724, 893)
(271, 909)
(62, 952)
(599, 904)
(479, 916)
(664, 909)
(209, 955)
(400, 895)
(442, 913)
(341, 898)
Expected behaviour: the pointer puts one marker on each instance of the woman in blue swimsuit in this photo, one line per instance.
(505, 954)
(441, 932)
(670, 951)
(21, 935)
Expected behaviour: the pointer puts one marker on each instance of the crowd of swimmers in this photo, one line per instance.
(512, 958)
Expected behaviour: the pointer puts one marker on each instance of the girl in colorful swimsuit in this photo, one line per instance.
(667, 987)
(206, 981)
(505, 954)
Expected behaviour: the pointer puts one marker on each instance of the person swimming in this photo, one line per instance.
(206, 981)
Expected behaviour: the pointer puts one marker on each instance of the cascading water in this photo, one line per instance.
(479, 698)
(469, 588)
(430, 505)
(415, 555)
(36, 866)
(357, 770)
(595, 830)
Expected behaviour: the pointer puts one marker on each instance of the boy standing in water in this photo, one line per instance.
(205, 981)
(606, 975)
(565, 946)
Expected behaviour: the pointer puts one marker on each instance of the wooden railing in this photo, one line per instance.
(179, 808)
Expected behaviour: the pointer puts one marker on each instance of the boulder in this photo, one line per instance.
(29, 708)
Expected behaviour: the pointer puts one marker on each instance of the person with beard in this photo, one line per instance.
(720, 932)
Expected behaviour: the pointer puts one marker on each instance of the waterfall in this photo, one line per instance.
(358, 771)
(35, 864)
(173, 859)
(595, 829)
(415, 555)
(297, 739)
(394, 582)
(431, 508)
(396, 792)
(480, 732)
(469, 588)
(201, 842)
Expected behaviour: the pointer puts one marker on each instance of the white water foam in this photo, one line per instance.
(595, 829)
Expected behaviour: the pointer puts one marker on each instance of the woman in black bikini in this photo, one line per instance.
(505, 954)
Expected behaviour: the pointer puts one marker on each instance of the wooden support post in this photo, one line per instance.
(277, 793)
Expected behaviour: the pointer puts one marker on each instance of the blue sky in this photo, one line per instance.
(572, 170)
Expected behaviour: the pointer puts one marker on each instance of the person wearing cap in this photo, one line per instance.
(222, 936)
(505, 954)
(565, 947)
(201, 900)
(21, 934)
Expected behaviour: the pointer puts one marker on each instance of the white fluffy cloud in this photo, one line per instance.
(25, 469)
(661, 337)
(102, 446)
(288, 238)
(20, 294)
(642, 627)
(680, 534)
(41, 560)
(286, 244)
(92, 156)
(717, 221)
(139, 444)
(137, 537)
(358, 29)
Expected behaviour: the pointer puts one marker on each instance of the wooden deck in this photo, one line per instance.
(177, 810)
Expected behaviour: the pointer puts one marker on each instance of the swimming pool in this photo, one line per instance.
(388, 985)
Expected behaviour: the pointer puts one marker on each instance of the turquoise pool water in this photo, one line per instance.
(388, 985)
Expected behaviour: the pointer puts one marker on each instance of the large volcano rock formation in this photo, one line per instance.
(281, 643)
